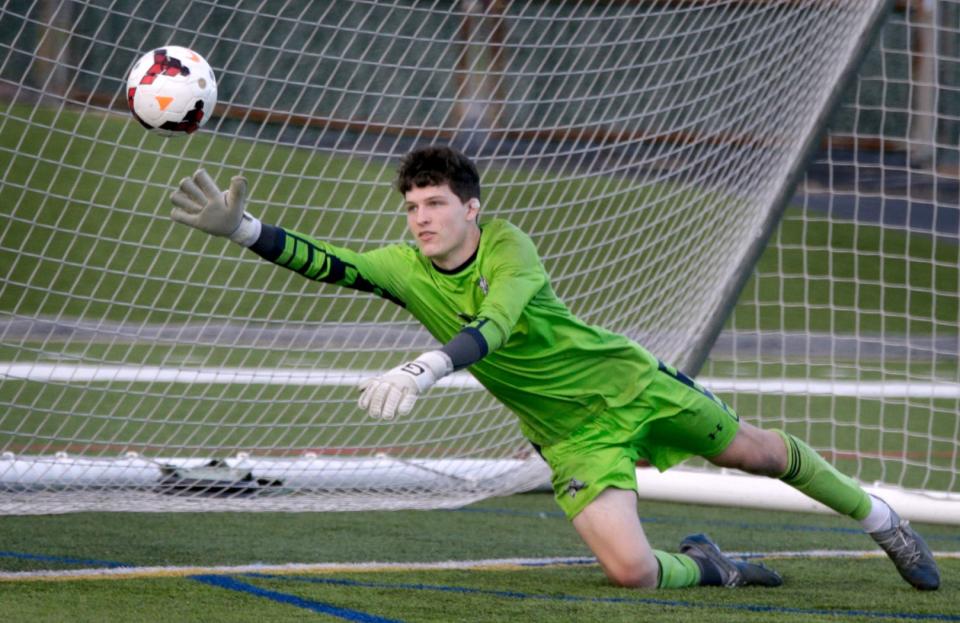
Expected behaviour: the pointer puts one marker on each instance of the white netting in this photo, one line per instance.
(855, 303)
(642, 145)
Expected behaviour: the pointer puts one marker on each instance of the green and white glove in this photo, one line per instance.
(200, 204)
(395, 392)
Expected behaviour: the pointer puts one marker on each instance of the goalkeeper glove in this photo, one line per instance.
(200, 204)
(396, 391)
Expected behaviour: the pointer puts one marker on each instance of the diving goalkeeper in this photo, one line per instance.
(591, 401)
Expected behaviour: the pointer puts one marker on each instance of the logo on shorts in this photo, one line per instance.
(574, 486)
(713, 435)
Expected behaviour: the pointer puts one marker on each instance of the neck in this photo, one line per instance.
(461, 254)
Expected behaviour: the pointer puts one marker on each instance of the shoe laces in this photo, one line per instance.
(901, 545)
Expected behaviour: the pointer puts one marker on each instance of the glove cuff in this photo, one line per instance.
(248, 231)
(437, 365)
(438, 361)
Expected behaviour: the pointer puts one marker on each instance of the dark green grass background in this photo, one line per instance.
(526, 525)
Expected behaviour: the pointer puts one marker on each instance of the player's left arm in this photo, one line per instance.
(515, 277)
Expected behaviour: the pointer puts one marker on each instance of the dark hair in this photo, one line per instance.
(436, 165)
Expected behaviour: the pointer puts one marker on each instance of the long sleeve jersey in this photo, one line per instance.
(551, 369)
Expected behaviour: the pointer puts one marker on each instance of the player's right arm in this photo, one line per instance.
(200, 204)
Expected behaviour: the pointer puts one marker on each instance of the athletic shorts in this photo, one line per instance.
(673, 419)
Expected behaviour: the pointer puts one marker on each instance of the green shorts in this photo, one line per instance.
(673, 419)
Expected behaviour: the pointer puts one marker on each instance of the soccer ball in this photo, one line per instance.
(171, 90)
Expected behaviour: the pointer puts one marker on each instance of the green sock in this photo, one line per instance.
(677, 570)
(810, 474)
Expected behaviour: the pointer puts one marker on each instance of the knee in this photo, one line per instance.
(755, 451)
(633, 574)
(775, 454)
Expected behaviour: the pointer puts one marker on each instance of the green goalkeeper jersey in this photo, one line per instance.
(550, 368)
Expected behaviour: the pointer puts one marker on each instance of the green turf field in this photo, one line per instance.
(524, 526)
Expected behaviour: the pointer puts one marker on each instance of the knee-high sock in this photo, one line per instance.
(677, 570)
(810, 474)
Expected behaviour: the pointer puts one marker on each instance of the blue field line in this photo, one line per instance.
(63, 559)
(727, 523)
(233, 584)
(650, 601)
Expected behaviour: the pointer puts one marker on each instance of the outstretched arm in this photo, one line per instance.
(200, 204)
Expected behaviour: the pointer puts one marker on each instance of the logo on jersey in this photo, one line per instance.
(483, 285)
(574, 486)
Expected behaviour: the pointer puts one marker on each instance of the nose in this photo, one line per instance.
(422, 215)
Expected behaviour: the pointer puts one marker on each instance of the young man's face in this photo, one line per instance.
(444, 227)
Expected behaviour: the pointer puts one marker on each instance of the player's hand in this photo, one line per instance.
(395, 392)
(200, 204)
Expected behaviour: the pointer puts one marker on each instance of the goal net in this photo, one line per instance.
(847, 332)
(649, 148)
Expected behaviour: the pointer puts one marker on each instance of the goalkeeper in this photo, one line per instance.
(591, 401)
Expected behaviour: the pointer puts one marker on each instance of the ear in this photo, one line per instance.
(473, 208)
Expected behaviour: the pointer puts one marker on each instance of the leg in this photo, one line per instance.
(778, 455)
(610, 527)
(594, 482)
(755, 451)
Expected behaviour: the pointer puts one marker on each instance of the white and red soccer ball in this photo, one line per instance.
(171, 90)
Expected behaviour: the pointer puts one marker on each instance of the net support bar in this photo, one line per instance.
(743, 491)
(310, 472)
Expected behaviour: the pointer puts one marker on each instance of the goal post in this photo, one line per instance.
(649, 148)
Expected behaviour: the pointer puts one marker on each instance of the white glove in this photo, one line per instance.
(199, 203)
(396, 391)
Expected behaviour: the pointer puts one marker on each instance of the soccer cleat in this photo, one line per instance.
(716, 569)
(909, 553)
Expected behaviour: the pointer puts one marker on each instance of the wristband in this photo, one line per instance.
(248, 231)
(439, 364)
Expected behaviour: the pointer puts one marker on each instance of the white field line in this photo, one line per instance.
(122, 573)
(84, 373)
(294, 568)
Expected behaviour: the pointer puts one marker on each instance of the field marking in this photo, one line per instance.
(347, 614)
(86, 373)
(122, 573)
(495, 564)
(231, 583)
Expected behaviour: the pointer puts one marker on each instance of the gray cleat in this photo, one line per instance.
(716, 569)
(909, 553)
